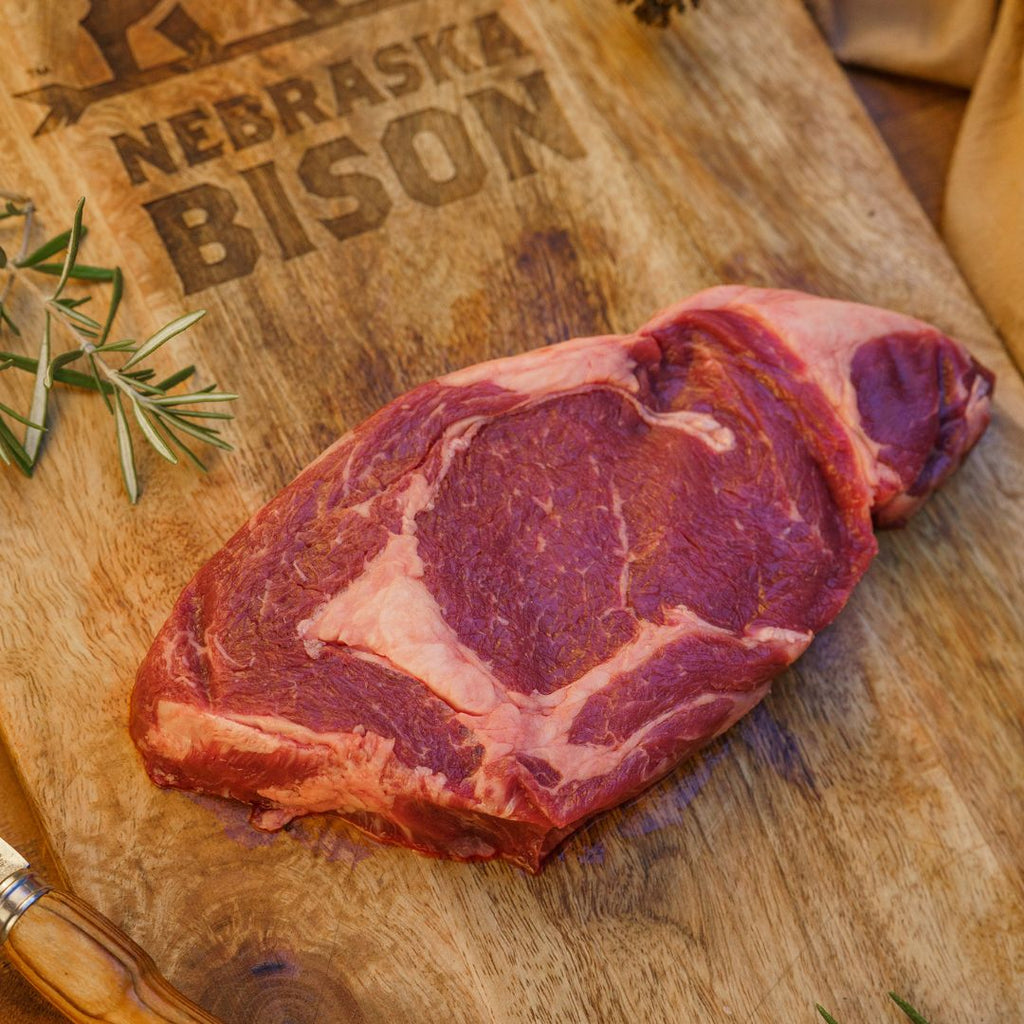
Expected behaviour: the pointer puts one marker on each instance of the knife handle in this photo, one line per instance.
(90, 970)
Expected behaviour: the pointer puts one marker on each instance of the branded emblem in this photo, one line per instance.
(108, 22)
(311, 191)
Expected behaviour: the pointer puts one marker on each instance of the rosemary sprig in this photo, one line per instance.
(913, 1014)
(164, 417)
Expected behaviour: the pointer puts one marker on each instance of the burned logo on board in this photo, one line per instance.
(422, 117)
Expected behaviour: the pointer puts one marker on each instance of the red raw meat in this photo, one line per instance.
(521, 593)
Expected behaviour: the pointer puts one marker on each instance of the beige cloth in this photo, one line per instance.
(978, 44)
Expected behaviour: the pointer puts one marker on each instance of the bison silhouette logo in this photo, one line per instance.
(108, 22)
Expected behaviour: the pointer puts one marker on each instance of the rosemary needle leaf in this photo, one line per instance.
(90, 382)
(40, 394)
(74, 240)
(142, 376)
(198, 414)
(204, 434)
(5, 317)
(48, 249)
(13, 450)
(828, 1016)
(907, 1009)
(152, 436)
(62, 360)
(184, 448)
(70, 377)
(195, 398)
(124, 451)
(115, 301)
(79, 318)
(168, 331)
(139, 383)
(17, 416)
(176, 378)
(81, 272)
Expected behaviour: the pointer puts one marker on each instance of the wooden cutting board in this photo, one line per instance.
(527, 172)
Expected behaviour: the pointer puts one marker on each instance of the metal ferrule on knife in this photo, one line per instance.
(17, 893)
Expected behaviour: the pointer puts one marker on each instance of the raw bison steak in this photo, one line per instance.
(521, 593)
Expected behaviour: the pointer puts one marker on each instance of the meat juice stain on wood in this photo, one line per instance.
(675, 924)
(670, 799)
(776, 746)
(664, 806)
(325, 837)
(332, 840)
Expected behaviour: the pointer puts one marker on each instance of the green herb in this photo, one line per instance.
(907, 1009)
(163, 416)
(658, 12)
(913, 1014)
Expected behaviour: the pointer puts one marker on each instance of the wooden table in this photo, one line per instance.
(919, 124)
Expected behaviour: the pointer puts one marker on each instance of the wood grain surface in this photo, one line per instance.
(860, 832)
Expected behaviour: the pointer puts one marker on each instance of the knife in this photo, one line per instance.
(79, 961)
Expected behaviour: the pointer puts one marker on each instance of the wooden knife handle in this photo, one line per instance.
(91, 971)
